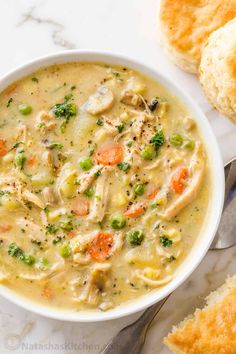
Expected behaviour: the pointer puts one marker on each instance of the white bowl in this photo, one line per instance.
(206, 236)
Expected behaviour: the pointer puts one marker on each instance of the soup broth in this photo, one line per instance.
(104, 185)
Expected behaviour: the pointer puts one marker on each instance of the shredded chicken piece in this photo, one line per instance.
(131, 98)
(152, 282)
(32, 198)
(197, 169)
(80, 242)
(138, 124)
(118, 242)
(45, 122)
(97, 279)
(153, 165)
(50, 158)
(149, 115)
(106, 305)
(87, 178)
(126, 133)
(101, 198)
(49, 196)
(66, 174)
(133, 156)
(110, 125)
(34, 230)
(100, 101)
(81, 259)
(21, 133)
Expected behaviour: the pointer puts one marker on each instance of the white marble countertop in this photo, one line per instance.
(31, 28)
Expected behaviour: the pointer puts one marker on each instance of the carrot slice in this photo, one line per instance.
(81, 207)
(71, 233)
(3, 149)
(109, 154)
(136, 210)
(152, 191)
(100, 248)
(32, 161)
(5, 228)
(178, 180)
(47, 293)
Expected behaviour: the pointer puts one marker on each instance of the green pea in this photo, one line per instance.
(20, 159)
(139, 189)
(25, 109)
(89, 192)
(117, 221)
(147, 152)
(28, 259)
(135, 237)
(176, 140)
(86, 163)
(65, 250)
(189, 145)
(66, 225)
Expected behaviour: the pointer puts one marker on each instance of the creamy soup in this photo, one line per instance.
(103, 185)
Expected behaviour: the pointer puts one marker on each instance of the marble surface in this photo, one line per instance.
(31, 28)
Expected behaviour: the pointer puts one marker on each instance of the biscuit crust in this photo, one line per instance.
(217, 71)
(211, 330)
(187, 24)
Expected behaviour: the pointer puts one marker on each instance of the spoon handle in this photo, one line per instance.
(131, 338)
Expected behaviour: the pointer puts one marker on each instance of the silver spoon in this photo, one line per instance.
(131, 338)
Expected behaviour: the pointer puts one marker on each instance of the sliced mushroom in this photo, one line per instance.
(100, 101)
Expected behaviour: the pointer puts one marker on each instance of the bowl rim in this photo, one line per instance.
(141, 303)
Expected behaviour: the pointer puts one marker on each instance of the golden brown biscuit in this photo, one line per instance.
(211, 330)
(217, 72)
(186, 25)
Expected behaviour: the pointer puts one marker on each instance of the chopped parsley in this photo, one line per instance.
(20, 159)
(16, 145)
(65, 111)
(89, 192)
(35, 79)
(99, 122)
(17, 252)
(55, 145)
(120, 127)
(98, 173)
(124, 166)
(9, 102)
(166, 241)
(3, 193)
(51, 229)
(158, 139)
(66, 225)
